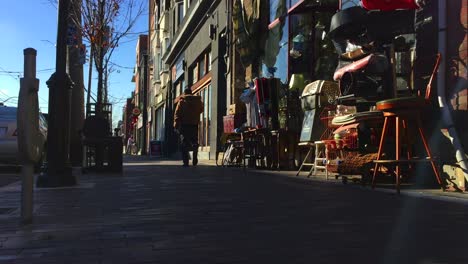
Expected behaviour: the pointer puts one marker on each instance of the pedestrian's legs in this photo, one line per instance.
(195, 158)
(185, 154)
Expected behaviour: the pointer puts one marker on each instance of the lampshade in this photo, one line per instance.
(297, 81)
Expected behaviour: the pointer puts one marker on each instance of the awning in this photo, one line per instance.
(386, 5)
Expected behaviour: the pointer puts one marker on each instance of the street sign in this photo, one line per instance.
(136, 111)
(72, 38)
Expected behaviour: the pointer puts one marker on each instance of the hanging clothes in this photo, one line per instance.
(249, 98)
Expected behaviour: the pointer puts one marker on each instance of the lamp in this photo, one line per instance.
(297, 82)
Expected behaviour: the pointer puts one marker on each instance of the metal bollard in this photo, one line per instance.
(29, 140)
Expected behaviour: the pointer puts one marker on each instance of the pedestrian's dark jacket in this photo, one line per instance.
(188, 110)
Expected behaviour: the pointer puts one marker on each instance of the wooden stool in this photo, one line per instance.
(319, 147)
(404, 111)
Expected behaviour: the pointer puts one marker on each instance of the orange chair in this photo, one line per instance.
(402, 111)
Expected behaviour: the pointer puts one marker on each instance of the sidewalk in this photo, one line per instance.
(156, 211)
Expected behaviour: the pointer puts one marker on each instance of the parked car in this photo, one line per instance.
(8, 135)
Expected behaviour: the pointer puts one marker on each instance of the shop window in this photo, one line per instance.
(278, 8)
(160, 120)
(275, 61)
(202, 66)
(179, 87)
(204, 134)
(295, 2)
(312, 53)
(193, 74)
(209, 61)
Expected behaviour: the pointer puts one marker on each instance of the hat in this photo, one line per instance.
(188, 91)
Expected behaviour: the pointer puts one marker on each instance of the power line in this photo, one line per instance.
(19, 72)
(9, 73)
(120, 66)
(4, 93)
(43, 70)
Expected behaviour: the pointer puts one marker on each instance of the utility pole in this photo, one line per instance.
(75, 69)
(145, 103)
(58, 170)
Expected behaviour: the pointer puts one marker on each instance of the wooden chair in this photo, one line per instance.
(403, 111)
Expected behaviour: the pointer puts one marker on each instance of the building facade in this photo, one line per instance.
(217, 48)
(140, 78)
(188, 48)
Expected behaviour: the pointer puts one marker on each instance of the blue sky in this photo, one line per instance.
(33, 23)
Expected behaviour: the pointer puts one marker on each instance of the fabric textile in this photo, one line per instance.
(188, 110)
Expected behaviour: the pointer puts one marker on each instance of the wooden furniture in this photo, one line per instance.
(403, 112)
(318, 147)
(257, 150)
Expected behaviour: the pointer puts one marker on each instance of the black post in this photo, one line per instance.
(58, 170)
(75, 69)
(145, 104)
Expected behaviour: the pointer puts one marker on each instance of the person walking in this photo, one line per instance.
(186, 119)
(130, 143)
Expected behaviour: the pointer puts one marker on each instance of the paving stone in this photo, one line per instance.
(162, 213)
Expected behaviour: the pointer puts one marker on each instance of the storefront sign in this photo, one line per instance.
(136, 111)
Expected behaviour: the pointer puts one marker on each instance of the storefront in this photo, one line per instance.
(327, 66)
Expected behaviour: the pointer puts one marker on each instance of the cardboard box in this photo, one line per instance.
(232, 109)
(230, 122)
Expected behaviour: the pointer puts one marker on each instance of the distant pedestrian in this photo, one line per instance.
(130, 143)
(186, 119)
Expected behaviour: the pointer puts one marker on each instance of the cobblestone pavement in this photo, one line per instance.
(160, 212)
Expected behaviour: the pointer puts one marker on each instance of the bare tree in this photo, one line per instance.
(104, 24)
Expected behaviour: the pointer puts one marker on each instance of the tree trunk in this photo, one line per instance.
(100, 61)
